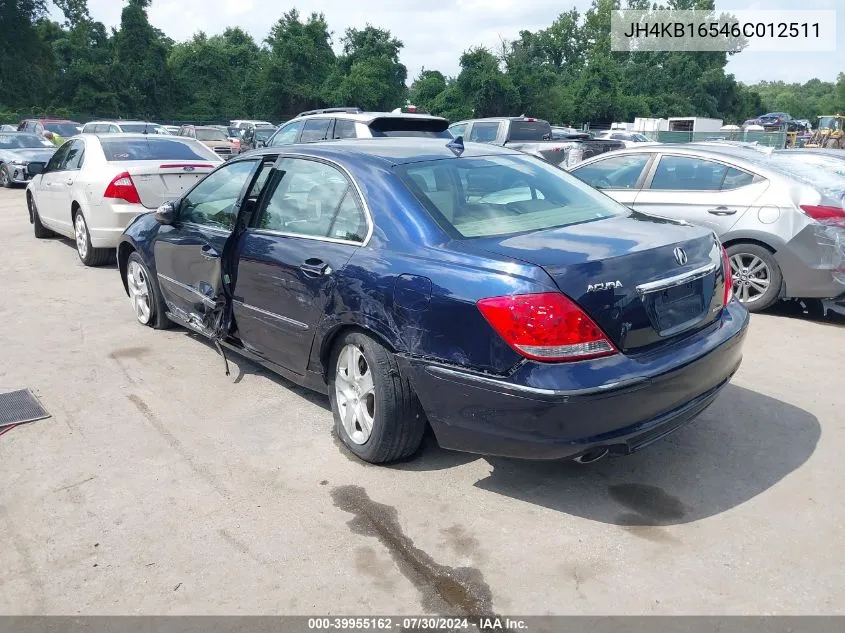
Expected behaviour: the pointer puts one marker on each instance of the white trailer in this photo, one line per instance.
(694, 124)
(646, 124)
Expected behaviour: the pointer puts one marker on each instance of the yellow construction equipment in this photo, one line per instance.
(830, 133)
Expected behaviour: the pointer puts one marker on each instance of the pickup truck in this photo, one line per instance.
(533, 136)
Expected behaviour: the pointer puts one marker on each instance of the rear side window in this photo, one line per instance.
(315, 130)
(529, 131)
(409, 126)
(154, 147)
(477, 197)
(312, 199)
(617, 172)
(484, 132)
(458, 129)
(687, 173)
(344, 128)
(736, 178)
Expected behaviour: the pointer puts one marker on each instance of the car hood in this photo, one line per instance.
(30, 155)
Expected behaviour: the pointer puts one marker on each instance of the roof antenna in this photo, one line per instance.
(456, 145)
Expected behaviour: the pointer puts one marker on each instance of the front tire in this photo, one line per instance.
(757, 278)
(89, 255)
(147, 302)
(376, 413)
(41, 232)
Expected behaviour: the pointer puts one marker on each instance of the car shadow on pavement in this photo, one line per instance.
(240, 366)
(744, 444)
(112, 265)
(814, 310)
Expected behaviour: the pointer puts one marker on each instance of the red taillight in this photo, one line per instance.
(530, 119)
(824, 213)
(123, 188)
(729, 277)
(546, 326)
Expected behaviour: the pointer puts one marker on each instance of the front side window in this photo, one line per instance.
(75, 156)
(312, 199)
(287, 134)
(213, 202)
(58, 159)
(478, 197)
(687, 173)
(484, 132)
(315, 130)
(617, 172)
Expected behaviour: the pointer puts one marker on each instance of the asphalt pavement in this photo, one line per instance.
(162, 486)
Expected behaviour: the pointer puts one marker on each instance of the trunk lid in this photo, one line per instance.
(624, 273)
(158, 181)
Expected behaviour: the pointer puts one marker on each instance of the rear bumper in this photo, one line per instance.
(813, 262)
(107, 221)
(549, 411)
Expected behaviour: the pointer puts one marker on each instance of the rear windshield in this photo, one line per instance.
(210, 135)
(154, 148)
(399, 126)
(500, 195)
(62, 129)
(530, 131)
(23, 141)
(139, 128)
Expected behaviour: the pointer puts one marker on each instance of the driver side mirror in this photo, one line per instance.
(35, 168)
(260, 143)
(166, 213)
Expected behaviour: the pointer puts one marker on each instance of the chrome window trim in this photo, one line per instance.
(206, 300)
(677, 280)
(294, 322)
(367, 213)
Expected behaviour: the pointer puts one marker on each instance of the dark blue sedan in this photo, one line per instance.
(511, 307)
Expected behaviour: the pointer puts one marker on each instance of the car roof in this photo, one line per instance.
(389, 150)
(497, 119)
(367, 117)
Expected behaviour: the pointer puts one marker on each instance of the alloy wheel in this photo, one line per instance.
(81, 232)
(139, 291)
(356, 393)
(751, 277)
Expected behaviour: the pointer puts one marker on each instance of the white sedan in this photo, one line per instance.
(630, 139)
(94, 186)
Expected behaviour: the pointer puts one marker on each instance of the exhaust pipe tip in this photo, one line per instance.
(592, 456)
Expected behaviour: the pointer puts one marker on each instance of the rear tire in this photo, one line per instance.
(41, 232)
(5, 177)
(757, 278)
(377, 416)
(89, 255)
(140, 284)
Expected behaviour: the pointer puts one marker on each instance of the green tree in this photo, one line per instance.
(369, 74)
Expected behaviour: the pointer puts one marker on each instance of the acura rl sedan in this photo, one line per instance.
(417, 281)
(781, 218)
(93, 186)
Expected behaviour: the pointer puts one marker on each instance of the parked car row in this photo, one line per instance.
(780, 215)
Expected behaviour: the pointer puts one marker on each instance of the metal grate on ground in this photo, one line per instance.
(18, 407)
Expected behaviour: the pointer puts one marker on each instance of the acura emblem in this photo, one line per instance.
(680, 255)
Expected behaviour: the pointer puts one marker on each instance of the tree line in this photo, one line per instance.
(565, 73)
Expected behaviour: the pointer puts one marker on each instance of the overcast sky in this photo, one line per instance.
(436, 32)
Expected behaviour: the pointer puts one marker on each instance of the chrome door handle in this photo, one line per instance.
(721, 211)
(68, 181)
(314, 267)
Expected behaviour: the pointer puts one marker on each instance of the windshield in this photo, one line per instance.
(139, 128)
(499, 195)
(263, 133)
(830, 123)
(410, 126)
(639, 138)
(23, 141)
(210, 135)
(155, 148)
(530, 131)
(233, 132)
(62, 129)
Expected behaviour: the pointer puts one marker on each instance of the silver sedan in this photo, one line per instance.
(780, 217)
